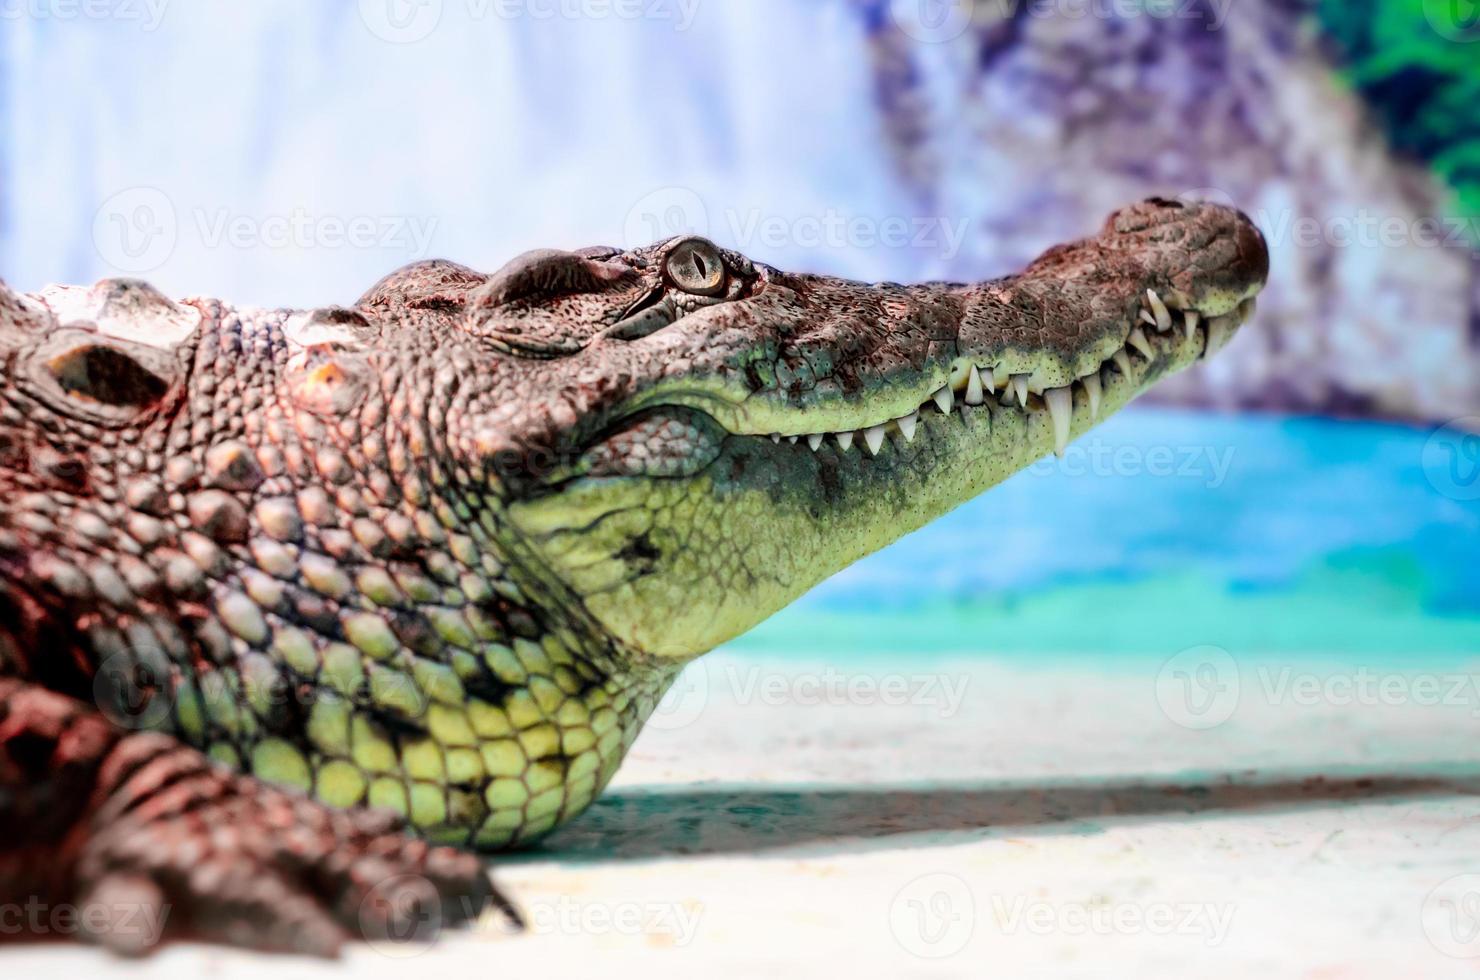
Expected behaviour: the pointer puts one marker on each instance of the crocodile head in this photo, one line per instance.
(684, 441)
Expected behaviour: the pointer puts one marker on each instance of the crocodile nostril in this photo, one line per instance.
(1165, 202)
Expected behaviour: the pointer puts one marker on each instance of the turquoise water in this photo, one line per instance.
(1167, 529)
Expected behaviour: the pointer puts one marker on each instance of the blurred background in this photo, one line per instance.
(1314, 490)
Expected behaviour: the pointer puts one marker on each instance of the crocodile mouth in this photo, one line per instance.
(721, 527)
(1165, 334)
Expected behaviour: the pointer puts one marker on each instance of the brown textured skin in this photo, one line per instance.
(161, 842)
(284, 542)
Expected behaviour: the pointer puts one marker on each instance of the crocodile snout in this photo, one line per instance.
(1211, 257)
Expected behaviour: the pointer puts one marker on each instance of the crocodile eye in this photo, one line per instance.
(694, 265)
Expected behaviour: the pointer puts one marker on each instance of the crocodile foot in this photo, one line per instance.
(181, 848)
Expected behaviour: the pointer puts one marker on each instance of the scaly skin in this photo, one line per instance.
(440, 553)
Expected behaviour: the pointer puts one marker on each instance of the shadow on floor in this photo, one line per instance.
(637, 823)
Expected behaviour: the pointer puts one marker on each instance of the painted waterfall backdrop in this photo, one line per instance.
(282, 153)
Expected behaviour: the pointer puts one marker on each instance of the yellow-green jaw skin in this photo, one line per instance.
(718, 496)
(767, 520)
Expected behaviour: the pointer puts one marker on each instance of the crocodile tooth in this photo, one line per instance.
(1092, 388)
(1147, 318)
(944, 399)
(989, 382)
(907, 425)
(1220, 329)
(1189, 321)
(1020, 388)
(974, 387)
(1060, 403)
(792, 439)
(845, 440)
(873, 438)
(1163, 315)
(814, 441)
(1123, 361)
(1138, 340)
(776, 438)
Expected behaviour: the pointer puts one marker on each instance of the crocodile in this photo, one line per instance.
(301, 610)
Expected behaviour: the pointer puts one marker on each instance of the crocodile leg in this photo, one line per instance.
(148, 839)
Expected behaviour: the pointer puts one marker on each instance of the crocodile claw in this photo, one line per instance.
(185, 849)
